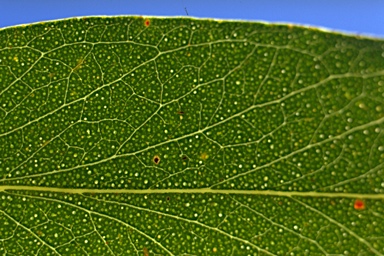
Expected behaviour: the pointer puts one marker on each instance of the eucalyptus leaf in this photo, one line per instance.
(179, 136)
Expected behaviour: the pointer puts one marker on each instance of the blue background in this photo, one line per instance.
(352, 16)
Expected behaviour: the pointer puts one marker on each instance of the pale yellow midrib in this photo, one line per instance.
(191, 191)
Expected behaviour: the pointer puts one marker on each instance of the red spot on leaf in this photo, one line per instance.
(359, 204)
(147, 23)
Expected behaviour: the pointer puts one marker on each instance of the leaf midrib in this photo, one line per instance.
(4, 188)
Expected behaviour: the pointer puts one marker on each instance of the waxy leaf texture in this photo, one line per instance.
(179, 136)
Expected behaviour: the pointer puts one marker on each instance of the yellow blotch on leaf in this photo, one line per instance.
(204, 156)
(79, 65)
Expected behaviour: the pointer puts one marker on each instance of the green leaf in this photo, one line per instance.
(175, 136)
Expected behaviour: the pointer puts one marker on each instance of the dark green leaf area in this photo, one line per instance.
(145, 83)
(315, 168)
(15, 114)
(16, 62)
(123, 60)
(41, 134)
(181, 223)
(276, 100)
(246, 138)
(221, 59)
(375, 91)
(177, 87)
(350, 223)
(176, 38)
(340, 58)
(372, 53)
(45, 38)
(72, 56)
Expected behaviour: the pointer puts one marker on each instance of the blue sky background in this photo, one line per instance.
(364, 17)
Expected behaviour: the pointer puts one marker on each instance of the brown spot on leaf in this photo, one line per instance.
(156, 159)
(145, 252)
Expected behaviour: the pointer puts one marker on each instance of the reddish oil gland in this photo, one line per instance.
(359, 204)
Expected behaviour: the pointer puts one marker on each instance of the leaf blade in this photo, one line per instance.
(183, 136)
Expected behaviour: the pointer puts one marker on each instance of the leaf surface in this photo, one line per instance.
(175, 136)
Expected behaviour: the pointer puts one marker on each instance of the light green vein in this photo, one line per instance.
(4, 188)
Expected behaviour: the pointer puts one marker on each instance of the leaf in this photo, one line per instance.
(175, 136)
